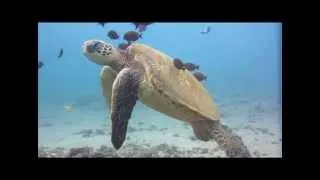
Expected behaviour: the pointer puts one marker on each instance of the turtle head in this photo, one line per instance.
(101, 53)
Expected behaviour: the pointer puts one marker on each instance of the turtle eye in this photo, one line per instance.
(96, 45)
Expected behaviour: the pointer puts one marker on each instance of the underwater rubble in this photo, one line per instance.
(130, 150)
(152, 128)
(45, 124)
(193, 138)
(86, 133)
(131, 129)
(176, 135)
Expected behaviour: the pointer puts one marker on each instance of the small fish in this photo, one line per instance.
(123, 46)
(60, 53)
(101, 24)
(178, 64)
(200, 76)
(206, 30)
(191, 66)
(131, 36)
(40, 64)
(141, 26)
(68, 108)
(141, 23)
(113, 34)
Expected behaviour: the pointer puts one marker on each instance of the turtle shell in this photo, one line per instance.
(166, 89)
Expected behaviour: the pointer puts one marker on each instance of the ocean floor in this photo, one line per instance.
(85, 132)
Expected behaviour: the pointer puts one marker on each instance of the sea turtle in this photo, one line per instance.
(148, 75)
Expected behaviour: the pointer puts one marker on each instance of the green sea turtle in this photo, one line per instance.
(148, 75)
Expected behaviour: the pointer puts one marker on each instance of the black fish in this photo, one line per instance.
(123, 46)
(200, 76)
(141, 23)
(141, 26)
(191, 66)
(101, 24)
(131, 36)
(60, 53)
(113, 34)
(40, 64)
(178, 64)
(206, 31)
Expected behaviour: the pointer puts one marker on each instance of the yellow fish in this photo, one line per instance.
(69, 108)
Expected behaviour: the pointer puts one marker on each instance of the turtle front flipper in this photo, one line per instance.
(124, 98)
(231, 143)
(107, 77)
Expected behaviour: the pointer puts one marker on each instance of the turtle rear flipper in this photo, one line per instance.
(223, 135)
(124, 98)
(200, 132)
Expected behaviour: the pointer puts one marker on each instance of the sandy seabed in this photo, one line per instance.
(85, 132)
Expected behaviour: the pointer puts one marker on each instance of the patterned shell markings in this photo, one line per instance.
(178, 84)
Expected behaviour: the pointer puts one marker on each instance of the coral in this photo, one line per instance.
(131, 129)
(80, 152)
(100, 132)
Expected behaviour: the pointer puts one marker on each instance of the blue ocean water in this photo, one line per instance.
(241, 60)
